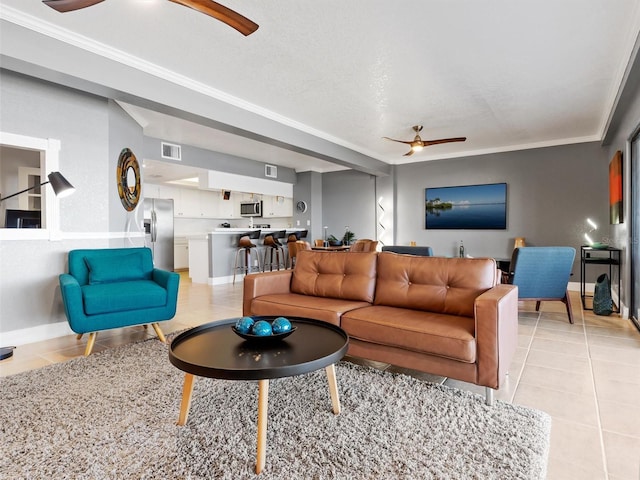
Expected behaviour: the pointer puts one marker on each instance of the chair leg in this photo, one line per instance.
(79, 336)
(90, 342)
(538, 306)
(156, 327)
(567, 303)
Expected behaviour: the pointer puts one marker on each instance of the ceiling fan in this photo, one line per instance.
(417, 143)
(208, 7)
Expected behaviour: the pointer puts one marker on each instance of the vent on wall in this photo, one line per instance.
(171, 151)
(271, 171)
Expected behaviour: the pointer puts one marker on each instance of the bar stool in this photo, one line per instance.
(300, 234)
(243, 260)
(295, 248)
(274, 249)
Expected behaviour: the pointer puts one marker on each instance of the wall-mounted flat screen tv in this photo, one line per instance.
(479, 207)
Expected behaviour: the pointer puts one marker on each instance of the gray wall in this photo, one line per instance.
(550, 194)
(349, 199)
(123, 132)
(90, 218)
(221, 162)
(308, 188)
(626, 123)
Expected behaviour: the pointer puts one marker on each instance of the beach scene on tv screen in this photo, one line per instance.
(467, 207)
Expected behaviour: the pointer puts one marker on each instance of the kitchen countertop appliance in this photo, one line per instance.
(251, 209)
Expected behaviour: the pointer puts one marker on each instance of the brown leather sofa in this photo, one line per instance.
(446, 316)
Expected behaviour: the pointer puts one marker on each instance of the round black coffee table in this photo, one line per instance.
(214, 350)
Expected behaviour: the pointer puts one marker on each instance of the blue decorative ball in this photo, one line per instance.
(244, 324)
(281, 325)
(262, 328)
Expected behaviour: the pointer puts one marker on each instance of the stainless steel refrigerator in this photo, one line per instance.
(158, 227)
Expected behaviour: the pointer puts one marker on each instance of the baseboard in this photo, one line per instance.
(35, 334)
(224, 280)
(575, 287)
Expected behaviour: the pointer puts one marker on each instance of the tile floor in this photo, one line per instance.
(586, 375)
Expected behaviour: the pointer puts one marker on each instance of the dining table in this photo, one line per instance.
(338, 248)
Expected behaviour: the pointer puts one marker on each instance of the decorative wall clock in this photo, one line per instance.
(301, 206)
(128, 179)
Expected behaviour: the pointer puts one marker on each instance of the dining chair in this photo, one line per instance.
(364, 245)
(542, 274)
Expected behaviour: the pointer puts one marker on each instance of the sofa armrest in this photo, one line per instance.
(72, 300)
(170, 282)
(267, 283)
(496, 316)
(165, 278)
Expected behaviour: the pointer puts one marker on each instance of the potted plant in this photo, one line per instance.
(348, 237)
(333, 241)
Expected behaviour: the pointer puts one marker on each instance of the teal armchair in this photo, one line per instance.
(542, 273)
(116, 287)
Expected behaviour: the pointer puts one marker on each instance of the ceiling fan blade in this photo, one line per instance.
(69, 5)
(400, 141)
(222, 13)
(443, 140)
(409, 153)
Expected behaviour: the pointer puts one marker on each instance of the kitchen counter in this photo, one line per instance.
(212, 261)
(236, 230)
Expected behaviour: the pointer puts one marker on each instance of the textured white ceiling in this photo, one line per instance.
(506, 74)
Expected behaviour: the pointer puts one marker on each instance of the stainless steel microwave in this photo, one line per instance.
(251, 209)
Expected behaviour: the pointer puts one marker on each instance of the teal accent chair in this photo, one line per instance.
(114, 288)
(542, 273)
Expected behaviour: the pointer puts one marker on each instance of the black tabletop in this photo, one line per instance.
(214, 350)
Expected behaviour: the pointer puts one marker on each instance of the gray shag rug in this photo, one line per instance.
(113, 416)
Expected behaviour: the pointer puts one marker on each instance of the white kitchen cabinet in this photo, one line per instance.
(209, 204)
(229, 209)
(149, 190)
(277, 206)
(187, 203)
(180, 254)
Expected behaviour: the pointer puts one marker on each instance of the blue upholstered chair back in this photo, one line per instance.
(541, 272)
(420, 251)
(79, 269)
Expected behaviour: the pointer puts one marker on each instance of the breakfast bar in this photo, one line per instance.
(220, 251)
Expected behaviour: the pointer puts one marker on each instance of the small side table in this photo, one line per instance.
(597, 256)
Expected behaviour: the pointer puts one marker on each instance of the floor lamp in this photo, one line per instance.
(61, 188)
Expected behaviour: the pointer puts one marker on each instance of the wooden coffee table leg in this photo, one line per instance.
(333, 388)
(263, 400)
(187, 390)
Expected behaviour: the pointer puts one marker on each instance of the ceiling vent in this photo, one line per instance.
(171, 151)
(271, 171)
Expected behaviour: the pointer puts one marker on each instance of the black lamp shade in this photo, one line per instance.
(61, 186)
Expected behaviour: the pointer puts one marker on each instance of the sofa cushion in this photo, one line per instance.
(122, 296)
(433, 284)
(345, 275)
(449, 336)
(115, 268)
(294, 305)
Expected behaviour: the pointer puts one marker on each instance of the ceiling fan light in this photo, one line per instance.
(416, 148)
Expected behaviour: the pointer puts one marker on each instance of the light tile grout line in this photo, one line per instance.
(595, 397)
(526, 357)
